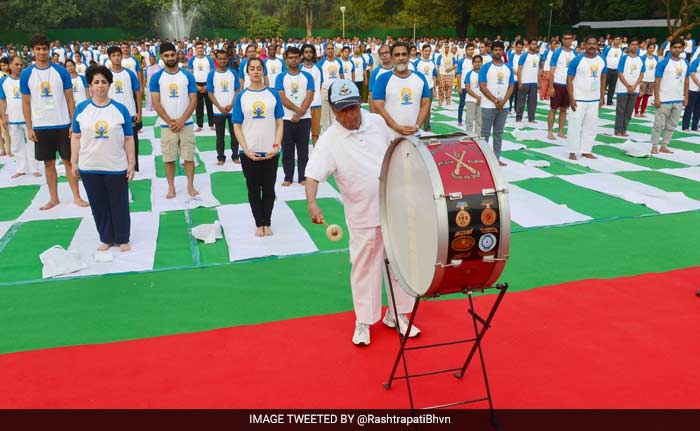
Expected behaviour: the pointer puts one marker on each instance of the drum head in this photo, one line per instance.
(410, 222)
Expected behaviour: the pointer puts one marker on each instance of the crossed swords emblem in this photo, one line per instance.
(461, 164)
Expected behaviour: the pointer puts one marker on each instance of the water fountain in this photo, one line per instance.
(176, 22)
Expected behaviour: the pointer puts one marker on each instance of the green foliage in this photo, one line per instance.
(263, 26)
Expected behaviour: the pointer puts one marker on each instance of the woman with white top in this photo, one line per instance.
(258, 125)
(103, 153)
(80, 86)
(646, 90)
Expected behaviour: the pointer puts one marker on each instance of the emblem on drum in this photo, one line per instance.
(461, 166)
(462, 219)
(463, 243)
(488, 215)
(487, 242)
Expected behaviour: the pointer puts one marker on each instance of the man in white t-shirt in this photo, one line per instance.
(174, 94)
(386, 64)
(585, 83)
(402, 97)
(47, 105)
(558, 95)
(428, 68)
(222, 86)
(630, 72)
(496, 81)
(612, 55)
(296, 90)
(670, 96)
(352, 150)
(200, 65)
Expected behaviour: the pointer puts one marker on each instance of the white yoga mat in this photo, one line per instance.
(686, 157)
(65, 209)
(693, 140)
(688, 173)
(297, 192)
(147, 168)
(9, 169)
(210, 161)
(4, 227)
(516, 171)
(507, 146)
(239, 229)
(144, 234)
(182, 200)
(601, 163)
(658, 200)
(529, 209)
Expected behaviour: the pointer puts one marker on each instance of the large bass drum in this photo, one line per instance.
(444, 213)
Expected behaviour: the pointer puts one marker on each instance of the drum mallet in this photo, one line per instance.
(333, 231)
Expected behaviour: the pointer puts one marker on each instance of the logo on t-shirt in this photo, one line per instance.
(594, 70)
(273, 69)
(259, 109)
(679, 72)
(118, 87)
(173, 91)
(500, 78)
(295, 88)
(75, 88)
(16, 94)
(45, 89)
(333, 71)
(101, 130)
(534, 62)
(406, 96)
(652, 65)
(225, 86)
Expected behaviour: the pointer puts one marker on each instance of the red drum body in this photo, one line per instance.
(444, 213)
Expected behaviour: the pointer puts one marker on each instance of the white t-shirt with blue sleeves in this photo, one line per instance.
(274, 67)
(631, 68)
(79, 86)
(530, 65)
(472, 79)
(9, 92)
(587, 74)
(201, 67)
(102, 131)
(650, 68)
(673, 74)
(497, 79)
(612, 57)
(47, 87)
(402, 96)
(223, 85)
(131, 64)
(377, 72)
(257, 112)
(295, 88)
(330, 70)
(315, 72)
(360, 66)
(175, 89)
(124, 83)
(429, 70)
(692, 86)
(560, 61)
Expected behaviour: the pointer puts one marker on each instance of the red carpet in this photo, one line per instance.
(623, 343)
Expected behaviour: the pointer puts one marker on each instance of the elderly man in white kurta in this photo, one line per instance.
(352, 150)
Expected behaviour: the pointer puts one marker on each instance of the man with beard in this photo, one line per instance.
(402, 97)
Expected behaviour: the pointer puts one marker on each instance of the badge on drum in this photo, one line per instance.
(488, 214)
(487, 242)
(463, 218)
(463, 243)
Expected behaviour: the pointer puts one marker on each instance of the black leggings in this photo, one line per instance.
(260, 177)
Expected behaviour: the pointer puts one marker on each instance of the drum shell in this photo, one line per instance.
(472, 212)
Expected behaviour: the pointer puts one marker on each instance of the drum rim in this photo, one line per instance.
(443, 228)
(503, 207)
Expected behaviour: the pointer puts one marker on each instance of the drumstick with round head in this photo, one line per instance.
(333, 231)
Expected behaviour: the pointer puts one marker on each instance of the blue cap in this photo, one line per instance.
(343, 93)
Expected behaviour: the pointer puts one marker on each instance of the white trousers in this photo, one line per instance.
(367, 259)
(23, 149)
(583, 123)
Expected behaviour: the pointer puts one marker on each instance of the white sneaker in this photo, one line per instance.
(403, 323)
(361, 335)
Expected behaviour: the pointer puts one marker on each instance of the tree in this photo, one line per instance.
(259, 26)
(513, 12)
(687, 16)
(38, 15)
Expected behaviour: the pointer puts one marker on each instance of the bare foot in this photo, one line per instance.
(198, 129)
(124, 247)
(220, 162)
(559, 135)
(81, 203)
(286, 184)
(37, 174)
(192, 192)
(685, 130)
(267, 230)
(572, 156)
(260, 231)
(10, 155)
(551, 137)
(501, 163)
(49, 205)
(664, 149)
(619, 135)
(460, 124)
(170, 195)
(104, 247)
(625, 134)
(654, 149)
(18, 174)
(302, 183)
(212, 128)
(533, 121)
(237, 161)
(589, 156)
